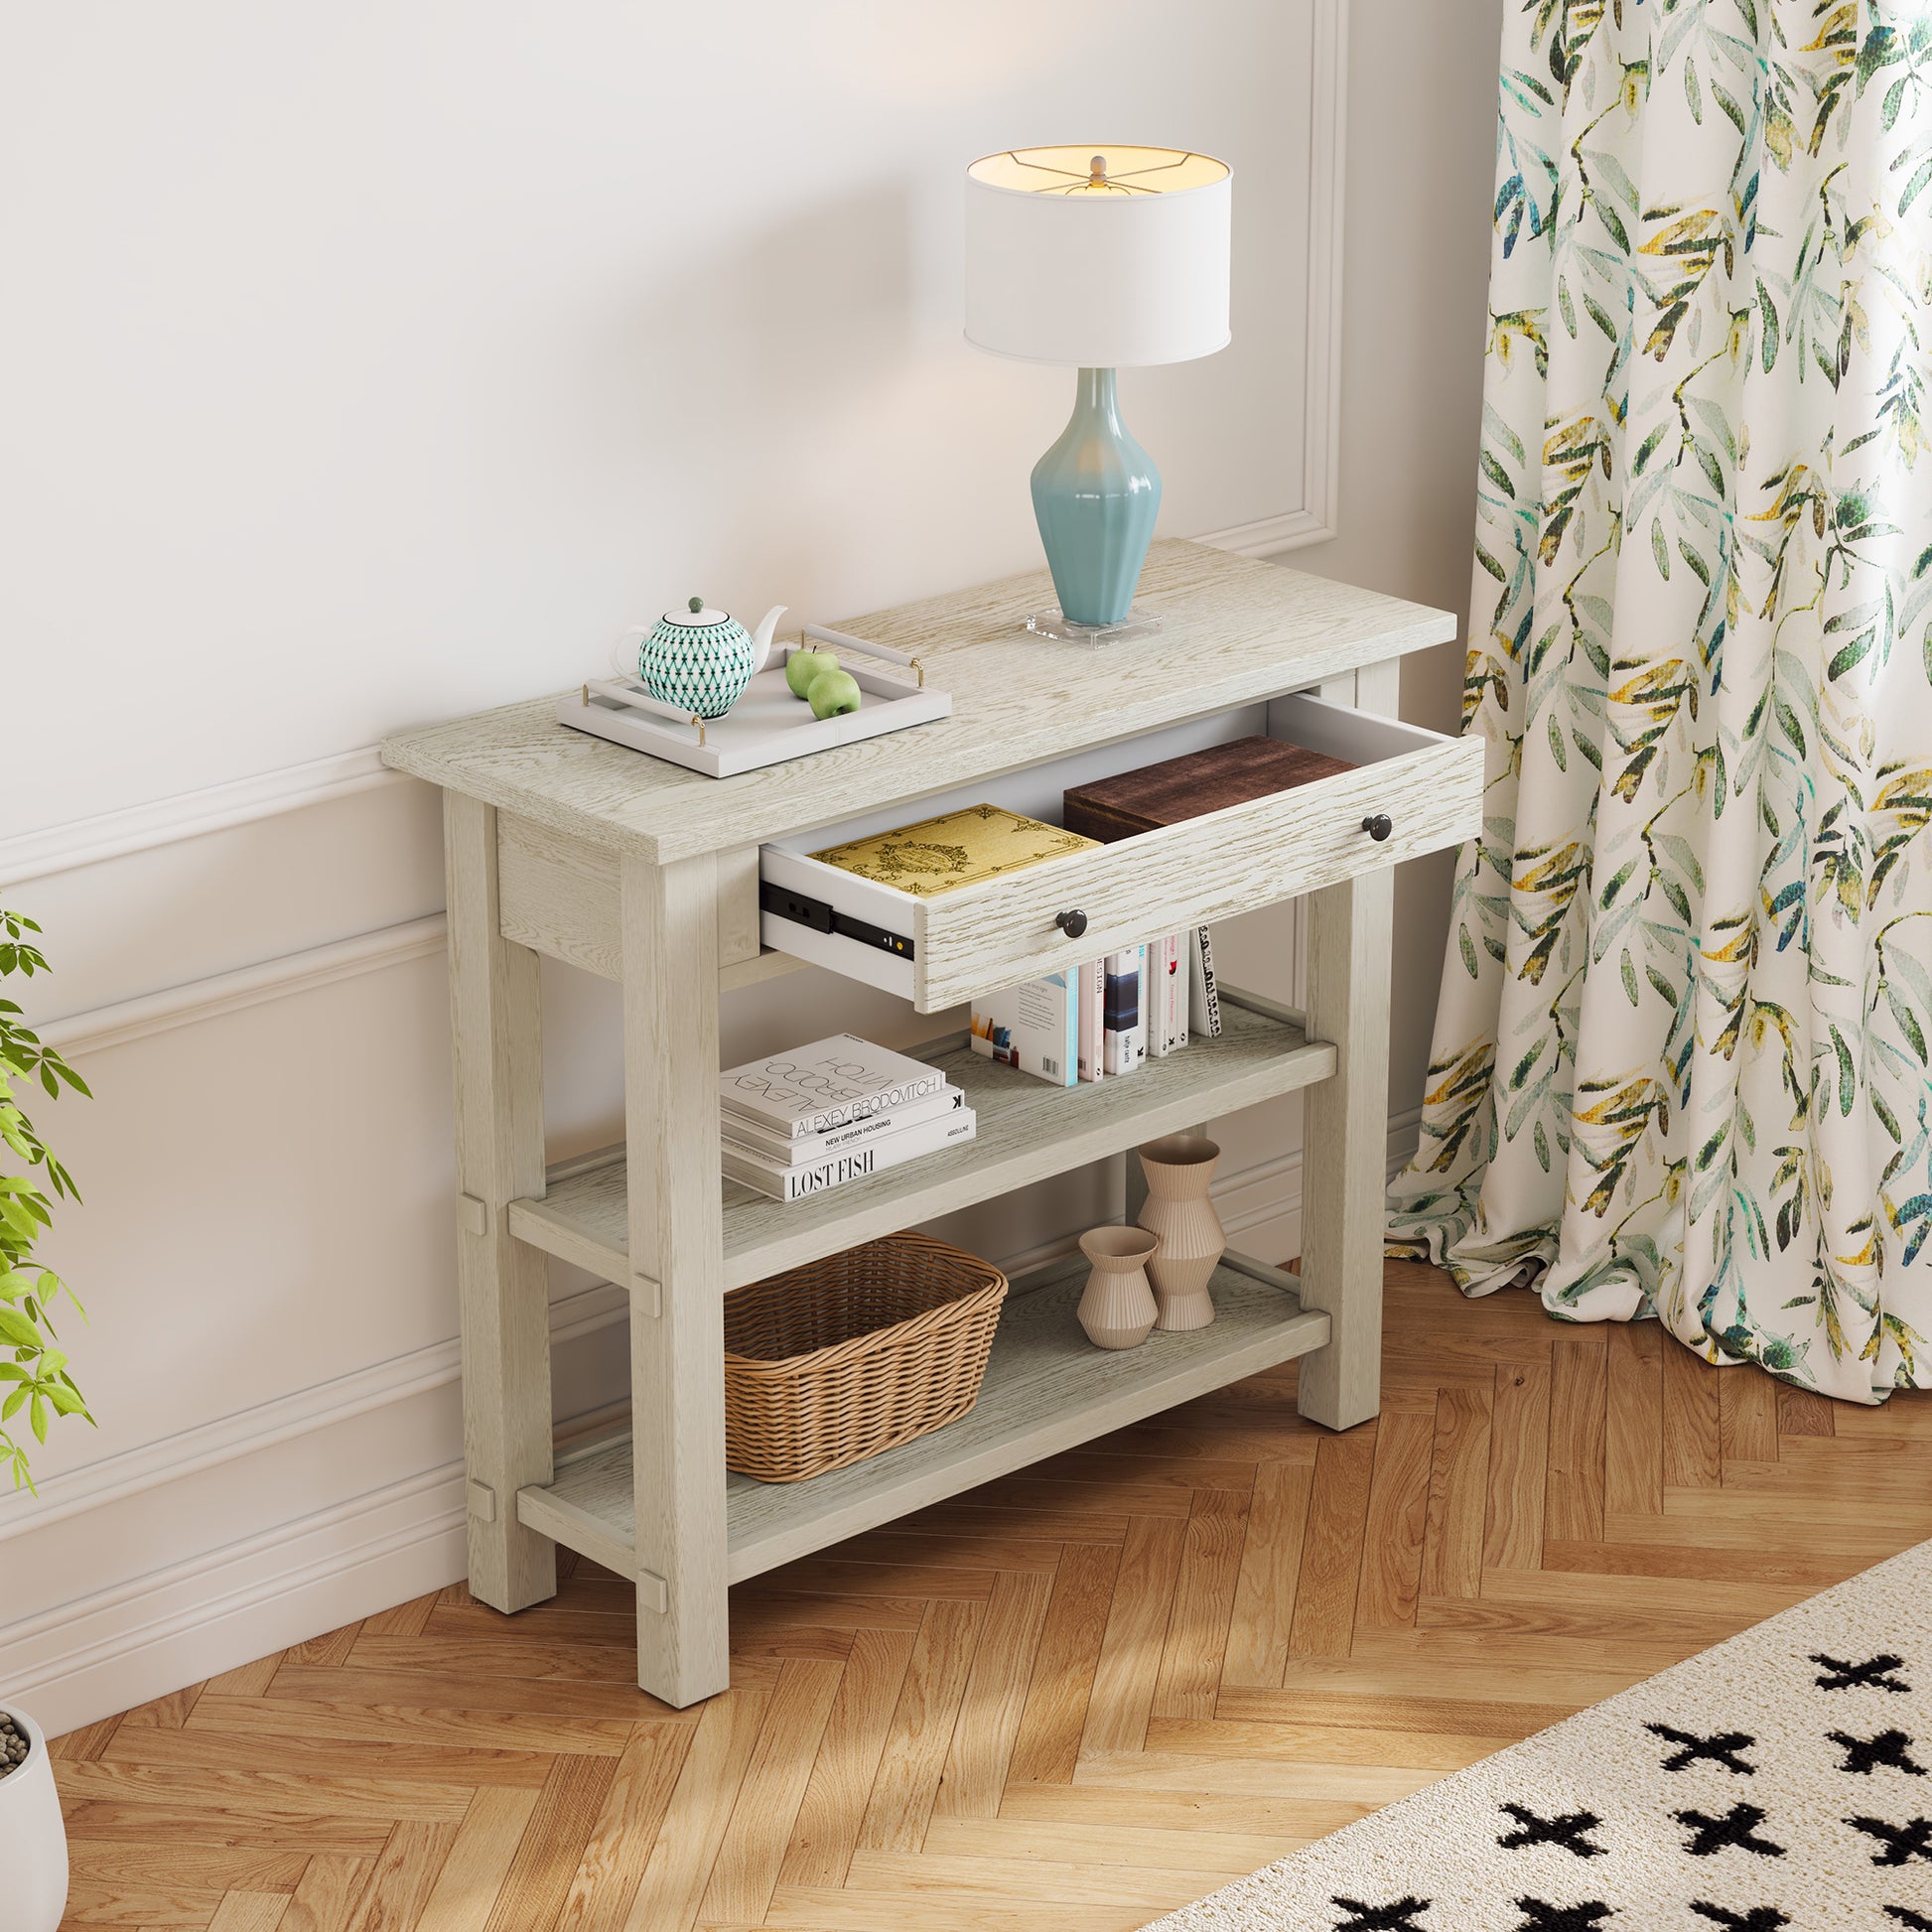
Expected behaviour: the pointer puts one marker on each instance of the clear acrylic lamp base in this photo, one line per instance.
(1136, 624)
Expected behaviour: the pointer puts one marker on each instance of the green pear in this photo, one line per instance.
(804, 665)
(834, 692)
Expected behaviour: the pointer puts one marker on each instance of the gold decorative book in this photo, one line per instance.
(940, 855)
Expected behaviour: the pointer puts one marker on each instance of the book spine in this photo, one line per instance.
(1154, 1004)
(1093, 993)
(897, 1096)
(1096, 1016)
(1205, 996)
(1135, 1051)
(1070, 1011)
(1126, 1037)
(1171, 987)
(1110, 1015)
(744, 1139)
(1183, 957)
(874, 1157)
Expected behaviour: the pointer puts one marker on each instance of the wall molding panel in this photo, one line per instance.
(267, 1425)
(189, 814)
(1317, 518)
(100, 1027)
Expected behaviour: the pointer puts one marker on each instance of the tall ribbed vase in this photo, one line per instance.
(1096, 493)
(1180, 1169)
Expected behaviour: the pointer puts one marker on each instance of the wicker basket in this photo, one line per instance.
(833, 1362)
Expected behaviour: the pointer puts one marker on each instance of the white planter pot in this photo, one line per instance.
(33, 1839)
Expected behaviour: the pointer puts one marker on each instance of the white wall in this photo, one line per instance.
(1422, 156)
(375, 364)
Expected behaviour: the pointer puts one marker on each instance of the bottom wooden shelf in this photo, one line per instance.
(1046, 1389)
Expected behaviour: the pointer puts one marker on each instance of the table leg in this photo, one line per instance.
(1345, 1131)
(495, 1031)
(669, 924)
(1344, 1139)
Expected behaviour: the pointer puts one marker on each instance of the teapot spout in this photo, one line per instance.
(761, 636)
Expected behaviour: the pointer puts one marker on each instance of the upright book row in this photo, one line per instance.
(1108, 1017)
(817, 1117)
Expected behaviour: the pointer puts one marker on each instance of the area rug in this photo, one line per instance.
(1783, 1778)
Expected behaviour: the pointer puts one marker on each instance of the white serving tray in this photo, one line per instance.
(767, 725)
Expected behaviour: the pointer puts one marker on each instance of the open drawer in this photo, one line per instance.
(939, 951)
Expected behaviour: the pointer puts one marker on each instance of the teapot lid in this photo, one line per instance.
(697, 613)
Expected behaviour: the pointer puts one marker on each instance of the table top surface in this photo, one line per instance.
(1237, 631)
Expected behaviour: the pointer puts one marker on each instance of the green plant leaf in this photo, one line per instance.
(37, 1377)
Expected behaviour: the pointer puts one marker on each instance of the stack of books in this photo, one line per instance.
(835, 1111)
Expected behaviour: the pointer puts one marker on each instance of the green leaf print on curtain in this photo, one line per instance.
(1681, 1058)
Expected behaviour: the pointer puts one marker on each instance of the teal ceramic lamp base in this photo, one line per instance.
(1096, 493)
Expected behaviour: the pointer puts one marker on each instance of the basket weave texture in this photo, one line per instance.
(846, 1357)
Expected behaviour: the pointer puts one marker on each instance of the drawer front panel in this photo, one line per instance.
(987, 937)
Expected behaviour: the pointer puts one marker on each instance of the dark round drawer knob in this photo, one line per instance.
(1072, 924)
(1378, 826)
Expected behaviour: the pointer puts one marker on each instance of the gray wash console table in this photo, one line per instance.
(644, 873)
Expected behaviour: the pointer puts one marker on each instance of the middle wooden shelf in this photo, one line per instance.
(1027, 1131)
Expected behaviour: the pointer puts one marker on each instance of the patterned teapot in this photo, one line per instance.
(696, 658)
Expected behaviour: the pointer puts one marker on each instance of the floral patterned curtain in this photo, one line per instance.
(1680, 1063)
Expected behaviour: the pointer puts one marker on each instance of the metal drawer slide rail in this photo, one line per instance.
(802, 909)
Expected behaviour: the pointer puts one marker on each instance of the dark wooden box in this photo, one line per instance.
(1193, 786)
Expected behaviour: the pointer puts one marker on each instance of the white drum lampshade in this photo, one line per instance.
(1098, 258)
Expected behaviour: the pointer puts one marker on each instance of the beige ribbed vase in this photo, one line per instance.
(1117, 1310)
(1179, 1168)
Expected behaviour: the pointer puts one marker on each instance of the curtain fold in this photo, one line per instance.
(1681, 1058)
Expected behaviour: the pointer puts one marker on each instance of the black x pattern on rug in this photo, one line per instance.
(1737, 1828)
(1567, 1830)
(1721, 1749)
(1398, 1917)
(1874, 1674)
(1906, 1844)
(1888, 1749)
(1541, 1917)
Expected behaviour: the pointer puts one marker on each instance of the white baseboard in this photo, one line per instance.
(138, 1640)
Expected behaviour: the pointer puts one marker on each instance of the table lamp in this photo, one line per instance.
(1097, 258)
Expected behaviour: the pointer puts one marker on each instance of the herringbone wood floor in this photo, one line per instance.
(1070, 1699)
